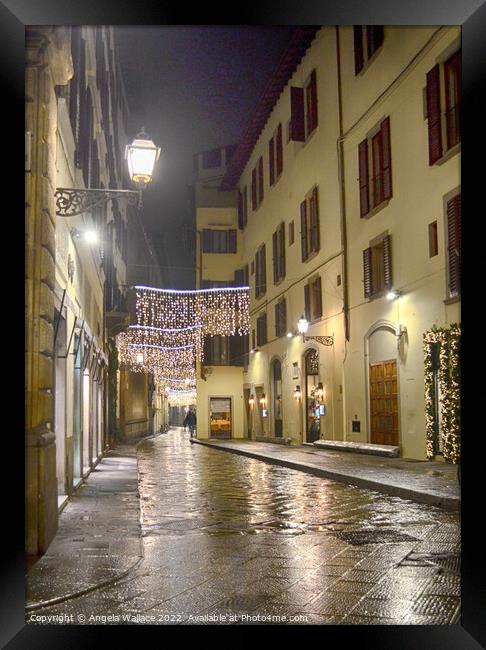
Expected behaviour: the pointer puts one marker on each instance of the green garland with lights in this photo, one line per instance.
(449, 342)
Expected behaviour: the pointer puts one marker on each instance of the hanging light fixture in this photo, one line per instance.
(141, 157)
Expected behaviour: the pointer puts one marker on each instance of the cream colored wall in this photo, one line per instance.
(304, 165)
(218, 266)
(224, 381)
(418, 195)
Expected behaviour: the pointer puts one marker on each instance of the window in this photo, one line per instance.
(260, 272)
(275, 155)
(303, 109)
(433, 240)
(257, 185)
(211, 159)
(291, 233)
(279, 254)
(261, 330)
(216, 350)
(377, 275)
(444, 117)
(281, 317)
(218, 241)
(454, 246)
(313, 299)
(309, 224)
(242, 208)
(381, 181)
(241, 277)
(367, 40)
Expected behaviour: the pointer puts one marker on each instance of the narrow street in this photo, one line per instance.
(227, 538)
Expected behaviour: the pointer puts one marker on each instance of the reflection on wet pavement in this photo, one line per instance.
(235, 540)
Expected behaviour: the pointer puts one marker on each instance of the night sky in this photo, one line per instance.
(193, 88)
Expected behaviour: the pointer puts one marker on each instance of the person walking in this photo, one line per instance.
(191, 421)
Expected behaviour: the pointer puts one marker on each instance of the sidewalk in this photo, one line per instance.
(99, 536)
(434, 483)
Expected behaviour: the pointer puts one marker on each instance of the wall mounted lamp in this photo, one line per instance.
(303, 326)
(297, 392)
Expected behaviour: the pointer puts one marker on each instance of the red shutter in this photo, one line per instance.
(260, 180)
(231, 241)
(452, 73)
(387, 262)
(297, 122)
(358, 49)
(367, 272)
(303, 230)
(313, 101)
(275, 258)
(386, 159)
(279, 151)
(454, 245)
(253, 190)
(271, 161)
(433, 114)
(307, 302)
(240, 211)
(364, 193)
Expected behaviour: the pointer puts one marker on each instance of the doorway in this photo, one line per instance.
(220, 417)
(312, 422)
(384, 402)
(276, 385)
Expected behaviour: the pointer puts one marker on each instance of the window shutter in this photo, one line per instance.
(263, 262)
(367, 272)
(282, 250)
(297, 122)
(386, 158)
(313, 101)
(275, 258)
(303, 229)
(452, 73)
(260, 180)
(454, 244)
(239, 278)
(307, 302)
(231, 241)
(314, 219)
(253, 190)
(374, 37)
(364, 193)
(206, 241)
(240, 211)
(317, 298)
(257, 274)
(271, 161)
(277, 319)
(264, 327)
(358, 49)
(246, 276)
(236, 350)
(245, 206)
(433, 114)
(208, 351)
(279, 151)
(387, 263)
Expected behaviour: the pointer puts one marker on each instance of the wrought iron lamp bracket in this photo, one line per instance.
(323, 340)
(72, 201)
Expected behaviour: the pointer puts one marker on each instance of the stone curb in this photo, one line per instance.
(109, 581)
(446, 503)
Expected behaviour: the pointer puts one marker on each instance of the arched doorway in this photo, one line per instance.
(311, 369)
(276, 394)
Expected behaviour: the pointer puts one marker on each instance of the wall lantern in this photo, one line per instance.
(290, 335)
(320, 390)
(303, 326)
(251, 401)
(263, 399)
(297, 392)
(393, 294)
(141, 157)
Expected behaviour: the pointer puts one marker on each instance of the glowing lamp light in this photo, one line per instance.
(289, 335)
(141, 157)
(391, 295)
(303, 324)
(91, 236)
(320, 390)
(251, 401)
(139, 357)
(263, 399)
(297, 392)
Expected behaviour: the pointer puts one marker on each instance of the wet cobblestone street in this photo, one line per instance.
(226, 538)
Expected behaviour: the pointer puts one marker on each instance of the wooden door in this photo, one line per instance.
(384, 402)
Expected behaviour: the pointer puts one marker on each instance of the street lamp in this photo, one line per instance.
(141, 157)
(303, 326)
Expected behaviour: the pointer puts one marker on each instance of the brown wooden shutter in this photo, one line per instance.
(264, 327)
(303, 229)
(318, 298)
(313, 101)
(307, 302)
(208, 350)
(256, 266)
(314, 220)
(358, 49)
(374, 38)
(236, 350)
(282, 250)
(231, 241)
(245, 206)
(454, 245)
(271, 161)
(364, 191)
(253, 189)
(386, 159)
(275, 258)
(240, 211)
(452, 74)
(263, 262)
(206, 241)
(277, 319)
(387, 262)
(433, 114)
(260, 180)
(367, 272)
(279, 151)
(297, 120)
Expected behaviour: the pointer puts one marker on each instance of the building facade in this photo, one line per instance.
(347, 183)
